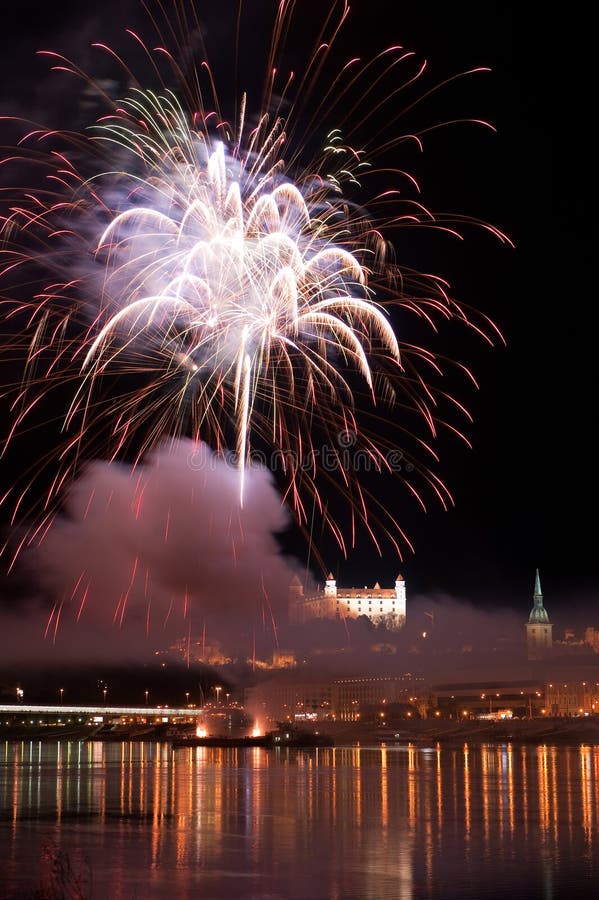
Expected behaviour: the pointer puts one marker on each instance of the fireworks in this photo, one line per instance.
(234, 276)
(211, 282)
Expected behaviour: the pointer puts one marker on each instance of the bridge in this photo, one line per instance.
(105, 713)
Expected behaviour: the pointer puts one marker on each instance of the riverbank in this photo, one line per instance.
(562, 730)
(584, 730)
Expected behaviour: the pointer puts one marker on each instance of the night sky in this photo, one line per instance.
(526, 494)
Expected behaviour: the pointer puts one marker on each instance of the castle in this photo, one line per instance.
(383, 606)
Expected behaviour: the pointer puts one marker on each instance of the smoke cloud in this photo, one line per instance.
(142, 556)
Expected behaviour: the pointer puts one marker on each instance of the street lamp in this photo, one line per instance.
(104, 692)
(61, 693)
(146, 693)
(217, 691)
(186, 698)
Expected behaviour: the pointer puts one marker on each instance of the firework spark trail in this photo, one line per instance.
(232, 279)
(246, 289)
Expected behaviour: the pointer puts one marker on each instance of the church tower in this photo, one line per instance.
(539, 629)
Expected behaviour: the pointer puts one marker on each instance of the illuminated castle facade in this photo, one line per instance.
(383, 606)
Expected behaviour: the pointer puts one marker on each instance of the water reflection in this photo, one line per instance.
(355, 822)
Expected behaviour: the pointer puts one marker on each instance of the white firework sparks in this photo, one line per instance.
(239, 270)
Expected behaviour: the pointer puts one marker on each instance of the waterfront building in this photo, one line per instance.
(539, 629)
(489, 698)
(572, 698)
(289, 699)
(352, 696)
(383, 606)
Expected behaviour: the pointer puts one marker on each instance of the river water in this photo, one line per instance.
(141, 820)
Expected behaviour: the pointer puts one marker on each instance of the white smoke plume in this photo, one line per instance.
(143, 555)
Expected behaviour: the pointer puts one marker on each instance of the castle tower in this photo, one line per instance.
(330, 587)
(400, 593)
(539, 640)
(296, 595)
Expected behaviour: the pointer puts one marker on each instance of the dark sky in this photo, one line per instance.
(526, 494)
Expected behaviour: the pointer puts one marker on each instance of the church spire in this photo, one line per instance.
(539, 630)
(538, 613)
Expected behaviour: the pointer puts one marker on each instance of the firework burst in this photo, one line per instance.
(234, 275)
(212, 283)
